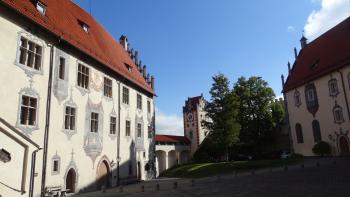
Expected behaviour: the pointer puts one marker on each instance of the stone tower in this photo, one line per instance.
(193, 115)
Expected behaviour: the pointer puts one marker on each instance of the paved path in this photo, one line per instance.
(330, 178)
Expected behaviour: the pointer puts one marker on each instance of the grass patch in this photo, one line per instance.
(199, 170)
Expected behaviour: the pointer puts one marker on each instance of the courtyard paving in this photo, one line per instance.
(315, 177)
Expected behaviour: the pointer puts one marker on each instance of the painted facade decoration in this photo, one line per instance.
(63, 126)
(321, 73)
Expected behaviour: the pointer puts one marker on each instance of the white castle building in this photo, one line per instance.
(77, 107)
(317, 92)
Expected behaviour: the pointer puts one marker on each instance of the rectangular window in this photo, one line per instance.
(139, 101)
(69, 119)
(30, 54)
(139, 130)
(113, 126)
(127, 128)
(149, 131)
(61, 68)
(28, 110)
(83, 76)
(94, 122)
(125, 95)
(107, 90)
(55, 167)
(148, 106)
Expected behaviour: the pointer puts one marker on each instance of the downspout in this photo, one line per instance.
(118, 137)
(47, 125)
(32, 172)
(345, 96)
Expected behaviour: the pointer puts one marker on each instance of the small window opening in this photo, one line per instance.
(41, 7)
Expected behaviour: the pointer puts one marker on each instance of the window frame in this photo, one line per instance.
(139, 101)
(113, 125)
(139, 130)
(316, 130)
(62, 72)
(28, 109)
(30, 71)
(297, 98)
(94, 122)
(83, 78)
(125, 95)
(107, 87)
(70, 117)
(338, 111)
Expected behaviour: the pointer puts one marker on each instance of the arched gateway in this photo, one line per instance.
(103, 173)
(70, 181)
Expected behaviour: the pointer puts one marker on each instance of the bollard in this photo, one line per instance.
(253, 172)
(175, 185)
(142, 188)
(157, 187)
(121, 189)
(192, 182)
(103, 189)
(285, 168)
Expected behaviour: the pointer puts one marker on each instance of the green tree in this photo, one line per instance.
(255, 112)
(222, 111)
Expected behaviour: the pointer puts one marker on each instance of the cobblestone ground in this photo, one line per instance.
(330, 178)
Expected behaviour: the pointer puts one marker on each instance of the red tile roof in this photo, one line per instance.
(172, 138)
(325, 54)
(62, 19)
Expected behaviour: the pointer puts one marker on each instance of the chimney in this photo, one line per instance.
(144, 71)
(295, 53)
(289, 70)
(303, 42)
(147, 78)
(124, 42)
(136, 57)
(140, 66)
(132, 53)
(152, 82)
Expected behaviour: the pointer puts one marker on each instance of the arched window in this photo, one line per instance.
(311, 98)
(316, 131)
(299, 133)
(333, 87)
(297, 99)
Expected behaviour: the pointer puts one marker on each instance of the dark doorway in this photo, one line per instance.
(138, 171)
(70, 181)
(102, 175)
(344, 146)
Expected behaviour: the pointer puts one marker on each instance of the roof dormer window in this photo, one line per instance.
(128, 67)
(41, 7)
(84, 26)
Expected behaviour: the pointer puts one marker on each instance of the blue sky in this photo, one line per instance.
(185, 42)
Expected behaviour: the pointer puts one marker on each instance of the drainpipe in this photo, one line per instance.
(345, 96)
(47, 125)
(118, 137)
(31, 181)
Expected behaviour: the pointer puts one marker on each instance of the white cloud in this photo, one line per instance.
(290, 29)
(170, 124)
(331, 13)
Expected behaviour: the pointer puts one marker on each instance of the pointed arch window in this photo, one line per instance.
(316, 131)
(299, 133)
(311, 98)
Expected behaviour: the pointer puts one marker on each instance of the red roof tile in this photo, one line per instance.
(61, 18)
(172, 138)
(325, 54)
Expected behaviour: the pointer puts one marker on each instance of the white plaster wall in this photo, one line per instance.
(14, 78)
(324, 114)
